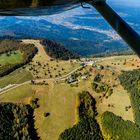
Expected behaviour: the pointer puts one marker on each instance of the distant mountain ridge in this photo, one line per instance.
(83, 31)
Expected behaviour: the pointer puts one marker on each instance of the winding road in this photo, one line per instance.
(11, 87)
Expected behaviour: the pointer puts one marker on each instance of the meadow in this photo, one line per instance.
(13, 58)
(17, 77)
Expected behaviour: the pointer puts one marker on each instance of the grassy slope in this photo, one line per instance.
(17, 95)
(44, 59)
(119, 99)
(131, 82)
(117, 62)
(16, 77)
(61, 105)
(12, 59)
(114, 127)
(120, 95)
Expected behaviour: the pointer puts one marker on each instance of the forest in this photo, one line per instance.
(7, 46)
(115, 128)
(16, 122)
(87, 128)
(131, 82)
(58, 51)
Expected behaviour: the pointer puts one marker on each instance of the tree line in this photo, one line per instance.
(58, 51)
(87, 128)
(131, 82)
(115, 128)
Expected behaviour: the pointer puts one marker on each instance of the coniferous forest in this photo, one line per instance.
(58, 51)
(16, 122)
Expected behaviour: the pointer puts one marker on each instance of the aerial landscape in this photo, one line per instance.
(69, 77)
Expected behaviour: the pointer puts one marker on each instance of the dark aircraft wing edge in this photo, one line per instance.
(129, 35)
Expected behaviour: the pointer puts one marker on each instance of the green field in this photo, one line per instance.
(16, 77)
(13, 58)
(17, 95)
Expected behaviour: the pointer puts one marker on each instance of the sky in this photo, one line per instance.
(131, 3)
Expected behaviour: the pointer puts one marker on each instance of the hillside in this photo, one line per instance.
(14, 54)
(52, 87)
